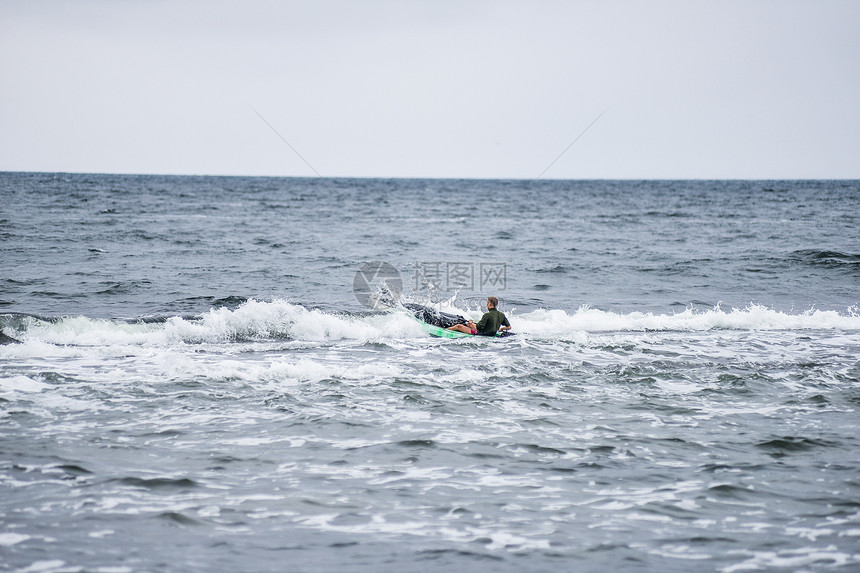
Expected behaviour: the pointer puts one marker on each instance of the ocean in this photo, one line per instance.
(199, 376)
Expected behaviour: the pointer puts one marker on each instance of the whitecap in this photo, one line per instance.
(21, 384)
(792, 559)
(43, 566)
(559, 324)
(9, 539)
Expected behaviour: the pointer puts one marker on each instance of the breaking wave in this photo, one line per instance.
(282, 320)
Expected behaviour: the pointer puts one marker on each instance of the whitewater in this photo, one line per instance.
(279, 319)
(196, 385)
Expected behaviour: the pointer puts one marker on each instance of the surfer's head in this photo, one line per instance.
(492, 302)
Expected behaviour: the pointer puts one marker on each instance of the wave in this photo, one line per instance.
(251, 321)
(753, 317)
(834, 260)
(824, 256)
(281, 320)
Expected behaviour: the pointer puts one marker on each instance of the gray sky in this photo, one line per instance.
(693, 89)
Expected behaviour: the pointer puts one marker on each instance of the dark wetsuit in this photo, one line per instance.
(491, 322)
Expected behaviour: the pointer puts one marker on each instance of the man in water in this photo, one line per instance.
(490, 323)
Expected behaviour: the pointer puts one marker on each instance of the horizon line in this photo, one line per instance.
(429, 178)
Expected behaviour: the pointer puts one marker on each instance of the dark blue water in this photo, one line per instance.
(197, 386)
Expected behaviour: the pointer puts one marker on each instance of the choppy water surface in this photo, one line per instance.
(198, 389)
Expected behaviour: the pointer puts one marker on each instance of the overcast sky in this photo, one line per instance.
(691, 89)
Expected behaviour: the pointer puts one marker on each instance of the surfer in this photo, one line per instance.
(490, 323)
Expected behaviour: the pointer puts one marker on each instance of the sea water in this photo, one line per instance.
(199, 387)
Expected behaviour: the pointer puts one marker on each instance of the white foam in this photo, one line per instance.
(252, 320)
(794, 559)
(85, 331)
(278, 319)
(9, 539)
(21, 384)
(558, 323)
(255, 319)
(101, 533)
(503, 540)
(44, 566)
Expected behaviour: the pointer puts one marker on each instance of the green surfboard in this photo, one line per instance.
(440, 332)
